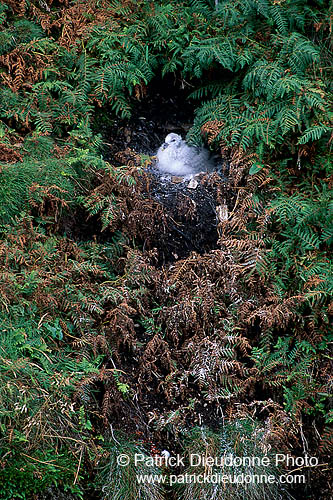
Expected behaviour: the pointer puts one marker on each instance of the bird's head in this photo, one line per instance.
(173, 140)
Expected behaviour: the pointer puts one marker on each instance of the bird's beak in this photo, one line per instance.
(165, 145)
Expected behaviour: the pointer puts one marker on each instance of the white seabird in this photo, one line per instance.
(177, 158)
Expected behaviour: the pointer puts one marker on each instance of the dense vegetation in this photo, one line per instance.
(104, 350)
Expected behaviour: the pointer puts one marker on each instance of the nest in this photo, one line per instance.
(191, 208)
